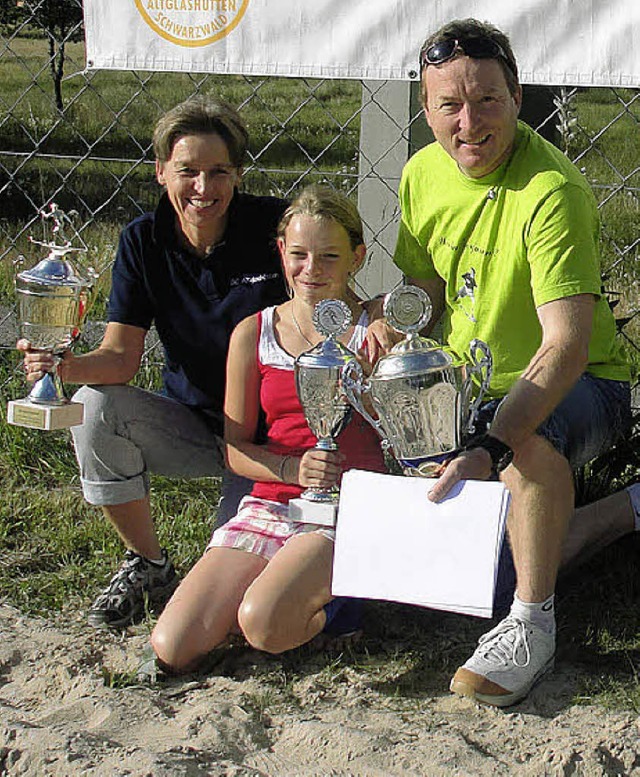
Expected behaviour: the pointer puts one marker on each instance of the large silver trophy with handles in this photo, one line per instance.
(52, 301)
(422, 397)
(318, 375)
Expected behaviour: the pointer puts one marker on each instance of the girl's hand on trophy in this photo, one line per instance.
(469, 465)
(362, 355)
(381, 337)
(320, 469)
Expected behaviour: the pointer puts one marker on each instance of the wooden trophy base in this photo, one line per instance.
(23, 412)
(304, 511)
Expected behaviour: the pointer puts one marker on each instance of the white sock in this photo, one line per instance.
(541, 614)
(634, 495)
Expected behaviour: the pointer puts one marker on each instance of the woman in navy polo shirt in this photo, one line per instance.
(201, 262)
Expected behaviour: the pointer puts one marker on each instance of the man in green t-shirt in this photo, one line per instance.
(502, 231)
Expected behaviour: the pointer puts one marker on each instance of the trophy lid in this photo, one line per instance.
(53, 270)
(325, 355)
(408, 309)
(415, 356)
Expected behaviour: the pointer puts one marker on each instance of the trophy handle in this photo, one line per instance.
(354, 386)
(483, 367)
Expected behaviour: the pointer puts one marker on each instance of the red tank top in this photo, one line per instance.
(287, 430)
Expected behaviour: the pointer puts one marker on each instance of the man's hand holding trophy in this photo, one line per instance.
(52, 303)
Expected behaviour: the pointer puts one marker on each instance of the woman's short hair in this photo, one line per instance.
(463, 29)
(201, 115)
(322, 202)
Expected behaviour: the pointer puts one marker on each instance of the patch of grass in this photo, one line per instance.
(56, 549)
(53, 548)
(599, 626)
(262, 701)
(117, 680)
(612, 693)
(45, 460)
(613, 471)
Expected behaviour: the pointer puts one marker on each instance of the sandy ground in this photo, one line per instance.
(69, 705)
(58, 716)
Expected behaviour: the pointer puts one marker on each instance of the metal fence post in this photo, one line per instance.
(384, 149)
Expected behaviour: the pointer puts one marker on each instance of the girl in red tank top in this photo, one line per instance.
(263, 574)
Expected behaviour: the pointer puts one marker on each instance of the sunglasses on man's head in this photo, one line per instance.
(476, 48)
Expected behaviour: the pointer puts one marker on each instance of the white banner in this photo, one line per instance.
(588, 43)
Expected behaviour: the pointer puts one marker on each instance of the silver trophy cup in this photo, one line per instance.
(318, 375)
(52, 301)
(422, 397)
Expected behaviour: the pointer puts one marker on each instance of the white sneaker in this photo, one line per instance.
(508, 661)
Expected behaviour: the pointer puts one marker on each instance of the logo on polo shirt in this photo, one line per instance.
(192, 22)
(251, 279)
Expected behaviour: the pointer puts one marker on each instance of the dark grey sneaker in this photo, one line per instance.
(137, 586)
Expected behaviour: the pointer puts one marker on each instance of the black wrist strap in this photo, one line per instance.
(501, 454)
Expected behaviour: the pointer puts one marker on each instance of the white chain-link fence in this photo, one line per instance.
(83, 140)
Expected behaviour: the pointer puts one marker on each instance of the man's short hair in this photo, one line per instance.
(201, 115)
(465, 29)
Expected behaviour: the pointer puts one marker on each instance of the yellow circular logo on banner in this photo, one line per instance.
(192, 22)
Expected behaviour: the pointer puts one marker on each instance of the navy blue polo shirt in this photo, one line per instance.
(195, 303)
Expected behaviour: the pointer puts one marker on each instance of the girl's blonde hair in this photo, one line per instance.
(323, 202)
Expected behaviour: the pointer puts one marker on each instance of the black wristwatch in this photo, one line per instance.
(501, 454)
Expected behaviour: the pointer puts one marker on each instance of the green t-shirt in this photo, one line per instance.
(505, 244)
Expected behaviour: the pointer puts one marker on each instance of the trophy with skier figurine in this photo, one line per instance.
(52, 302)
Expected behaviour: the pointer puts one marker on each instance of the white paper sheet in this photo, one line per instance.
(392, 543)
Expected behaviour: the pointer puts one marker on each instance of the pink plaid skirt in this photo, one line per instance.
(263, 527)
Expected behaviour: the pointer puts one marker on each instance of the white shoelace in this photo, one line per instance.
(502, 643)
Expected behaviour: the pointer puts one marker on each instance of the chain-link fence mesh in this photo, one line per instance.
(83, 140)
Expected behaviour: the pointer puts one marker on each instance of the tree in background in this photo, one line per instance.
(60, 20)
(10, 16)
